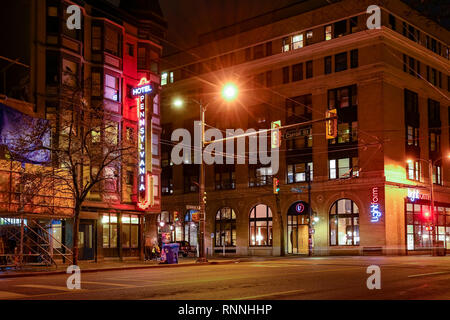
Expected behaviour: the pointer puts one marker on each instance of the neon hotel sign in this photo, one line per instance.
(141, 91)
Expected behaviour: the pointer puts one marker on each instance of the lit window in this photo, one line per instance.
(226, 228)
(171, 77)
(344, 223)
(111, 87)
(286, 45)
(164, 78)
(328, 33)
(297, 41)
(260, 226)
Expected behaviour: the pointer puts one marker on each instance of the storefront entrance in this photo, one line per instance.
(298, 229)
(86, 240)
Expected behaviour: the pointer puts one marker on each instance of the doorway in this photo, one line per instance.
(298, 229)
(86, 238)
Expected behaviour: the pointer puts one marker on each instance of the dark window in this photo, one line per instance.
(52, 68)
(130, 49)
(405, 65)
(225, 177)
(328, 66)
(392, 22)
(412, 64)
(52, 24)
(340, 63)
(258, 52)
(130, 178)
(129, 91)
(268, 48)
(353, 24)
(340, 28)
(354, 63)
(342, 97)
(411, 102)
(297, 72)
(286, 75)
(309, 69)
(434, 114)
(248, 54)
(435, 142)
(259, 176)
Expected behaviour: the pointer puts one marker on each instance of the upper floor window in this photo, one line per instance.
(130, 49)
(285, 75)
(52, 24)
(298, 172)
(437, 175)
(342, 97)
(343, 168)
(340, 63)
(328, 33)
(297, 41)
(164, 78)
(260, 176)
(435, 142)
(340, 28)
(96, 38)
(327, 65)
(434, 114)
(112, 41)
(70, 73)
(297, 72)
(309, 69)
(413, 136)
(354, 63)
(413, 169)
(111, 87)
(225, 177)
(347, 132)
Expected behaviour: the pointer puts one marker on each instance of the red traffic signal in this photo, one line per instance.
(429, 228)
(276, 185)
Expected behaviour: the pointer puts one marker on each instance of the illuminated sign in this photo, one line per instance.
(375, 210)
(276, 139)
(144, 178)
(414, 194)
(300, 208)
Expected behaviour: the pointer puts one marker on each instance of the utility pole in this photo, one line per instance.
(310, 230)
(434, 219)
(202, 222)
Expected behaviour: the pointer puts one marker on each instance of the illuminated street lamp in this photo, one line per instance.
(229, 93)
(435, 220)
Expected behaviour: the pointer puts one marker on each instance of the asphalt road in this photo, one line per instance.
(288, 278)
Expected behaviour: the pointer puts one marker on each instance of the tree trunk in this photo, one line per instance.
(280, 221)
(75, 235)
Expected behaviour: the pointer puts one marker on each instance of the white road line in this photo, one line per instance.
(109, 284)
(428, 274)
(271, 294)
(41, 286)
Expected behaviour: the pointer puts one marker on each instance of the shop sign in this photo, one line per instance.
(300, 208)
(375, 210)
(414, 194)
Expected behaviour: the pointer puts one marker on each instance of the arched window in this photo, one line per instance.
(344, 223)
(226, 228)
(260, 226)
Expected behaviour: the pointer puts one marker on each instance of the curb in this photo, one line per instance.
(158, 266)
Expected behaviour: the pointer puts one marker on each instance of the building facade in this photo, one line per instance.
(390, 88)
(117, 49)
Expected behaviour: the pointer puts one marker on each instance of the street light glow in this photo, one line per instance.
(230, 92)
(178, 102)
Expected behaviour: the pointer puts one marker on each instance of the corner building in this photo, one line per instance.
(390, 87)
(116, 47)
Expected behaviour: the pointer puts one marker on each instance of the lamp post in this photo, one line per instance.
(435, 219)
(229, 93)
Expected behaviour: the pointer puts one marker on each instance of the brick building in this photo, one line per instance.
(116, 47)
(390, 87)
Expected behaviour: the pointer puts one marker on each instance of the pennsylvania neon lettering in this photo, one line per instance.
(144, 197)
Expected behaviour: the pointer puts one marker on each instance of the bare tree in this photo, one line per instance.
(87, 151)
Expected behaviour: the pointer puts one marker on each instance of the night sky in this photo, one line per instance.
(189, 18)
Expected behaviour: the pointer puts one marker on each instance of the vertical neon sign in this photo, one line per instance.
(375, 210)
(144, 178)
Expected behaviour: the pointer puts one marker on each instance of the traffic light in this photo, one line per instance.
(331, 124)
(276, 185)
(429, 228)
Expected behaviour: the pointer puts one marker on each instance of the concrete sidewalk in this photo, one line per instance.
(111, 265)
